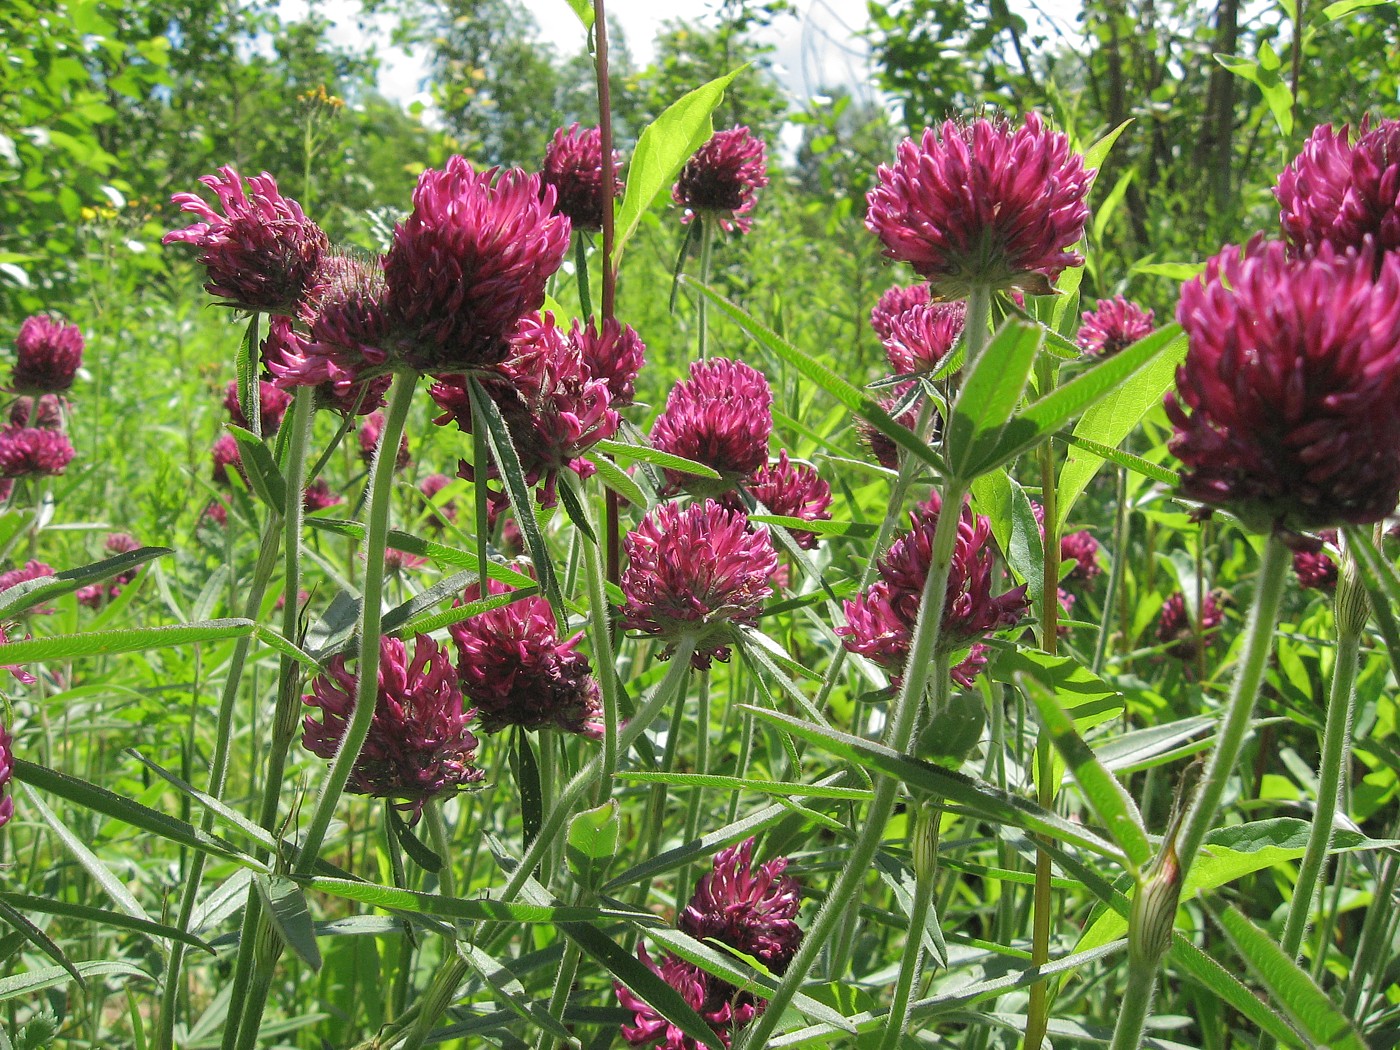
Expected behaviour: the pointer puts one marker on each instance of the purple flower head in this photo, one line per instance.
(1175, 629)
(273, 405)
(1291, 378)
(295, 360)
(318, 496)
(983, 204)
(7, 769)
(1082, 549)
(695, 570)
(719, 180)
(30, 451)
(615, 354)
(922, 336)
(30, 570)
(368, 438)
(723, 1006)
(430, 487)
(791, 490)
(722, 417)
(468, 263)
(262, 253)
(753, 911)
(1314, 566)
(1340, 194)
(225, 454)
(47, 416)
(49, 354)
(885, 451)
(419, 745)
(896, 301)
(1113, 326)
(573, 165)
(516, 670)
(880, 620)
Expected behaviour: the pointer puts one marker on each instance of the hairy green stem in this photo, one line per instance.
(600, 635)
(1115, 572)
(707, 239)
(1135, 1006)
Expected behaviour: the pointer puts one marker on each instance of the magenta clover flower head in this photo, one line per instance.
(1178, 633)
(294, 360)
(725, 1008)
(722, 416)
(885, 451)
(469, 262)
(273, 403)
(419, 745)
(430, 487)
(573, 166)
(614, 354)
(1113, 326)
(922, 336)
(880, 620)
(983, 205)
(518, 672)
(1291, 379)
(225, 454)
(1339, 193)
(33, 451)
(790, 490)
(719, 180)
(753, 910)
(262, 253)
(1082, 549)
(894, 302)
(318, 496)
(1314, 566)
(696, 570)
(48, 355)
(368, 437)
(48, 415)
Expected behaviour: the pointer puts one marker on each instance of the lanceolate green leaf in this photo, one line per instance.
(24, 926)
(662, 150)
(245, 368)
(26, 595)
(584, 10)
(132, 640)
(1127, 460)
(101, 916)
(46, 977)
(989, 396)
(283, 900)
(402, 541)
(261, 468)
(1228, 988)
(657, 458)
(466, 908)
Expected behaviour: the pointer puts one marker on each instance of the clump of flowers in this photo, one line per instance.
(1113, 326)
(368, 438)
(33, 451)
(93, 595)
(718, 182)
(1339, 193)
(573, 166)
(753, 911)
(225, 454)
(721, 416)
(1314, 567)
(273, 403)
(696, 570)
(880, 620)
(893, 303)
(790, 490)
(318, 496)
(1179, 634)
(518, 672)
(1284, 410)
(983, 205)
(614, 353)
(922, 336)
(262, 253)
(48, 355)
(1082, 549)
(44, 412)
(430, 487)
(419, 746)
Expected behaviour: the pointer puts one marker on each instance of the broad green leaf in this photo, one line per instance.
(617, 479)
(991, 497)
(14, 600)
(285, 904)
(662, 150)
(1289, 987)
(584, 10)
(102, 917)
(837, 387)
(1277, 94)
(1126, 460)
(1342, 8)
(1110, 204)
(988, 398)
(1227, 987)
(1086, 697)
(131, 640)
(657, 458)
(261, 468)
(1096, 154)
(47, 977)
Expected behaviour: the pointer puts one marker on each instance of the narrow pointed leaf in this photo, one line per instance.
(285, 904)
(34, 981)
(23, 925)
(132, 640)
(102, 917)
(14, 600)
(989, 395)
(657, 458)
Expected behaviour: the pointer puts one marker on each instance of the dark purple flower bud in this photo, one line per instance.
(469, 262)
(1082, 549)
(1314, 566)
(1113, 326)
(1178, 633)
(922, 336)
(262, 253)
(880, 620)
(29, 451)
(723, 1006)
(368, 437)
(695, 570)
(225, 454)
(1291, 377)
(91, 596)
(214, 513)
(894, 302)
(573, 165)
(885, 451)
(752, 911)
(1340, 194)
(719, 180)
(983, 205)
(273, 405)
(722, 417)
(318, 496)
(518, 672)
(791, 490)
(48, 416)
(419, 745)
(49, 355)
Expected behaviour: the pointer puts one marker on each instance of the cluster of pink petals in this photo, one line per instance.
(93, 595)
(718, 182)
(33, 451)
(45, 412)
(880, 620)
(419, 745)
(48, 355)
(225, 454)
(1342, 193)
(722, 416)
(263, 252)
(1291, 381)
(368, 437)
(273, 403)
(983, 205)
(790, 490)
(23, 676)
(573, 166)
(894, 302)
(1314, 566)
(397, 561)
(696, 570)
(614, 354)
(1082, 549)
(923, 335)
(1113, 326)
(518, 672)
(1178, 633)
(430, 487)
(318, 496)
(885, 451)
(752, 911)
(469, 262)
(337, 374)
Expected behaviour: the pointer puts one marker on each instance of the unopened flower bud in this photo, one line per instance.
(1153, 913)
(1352, 605)
(925, 842)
